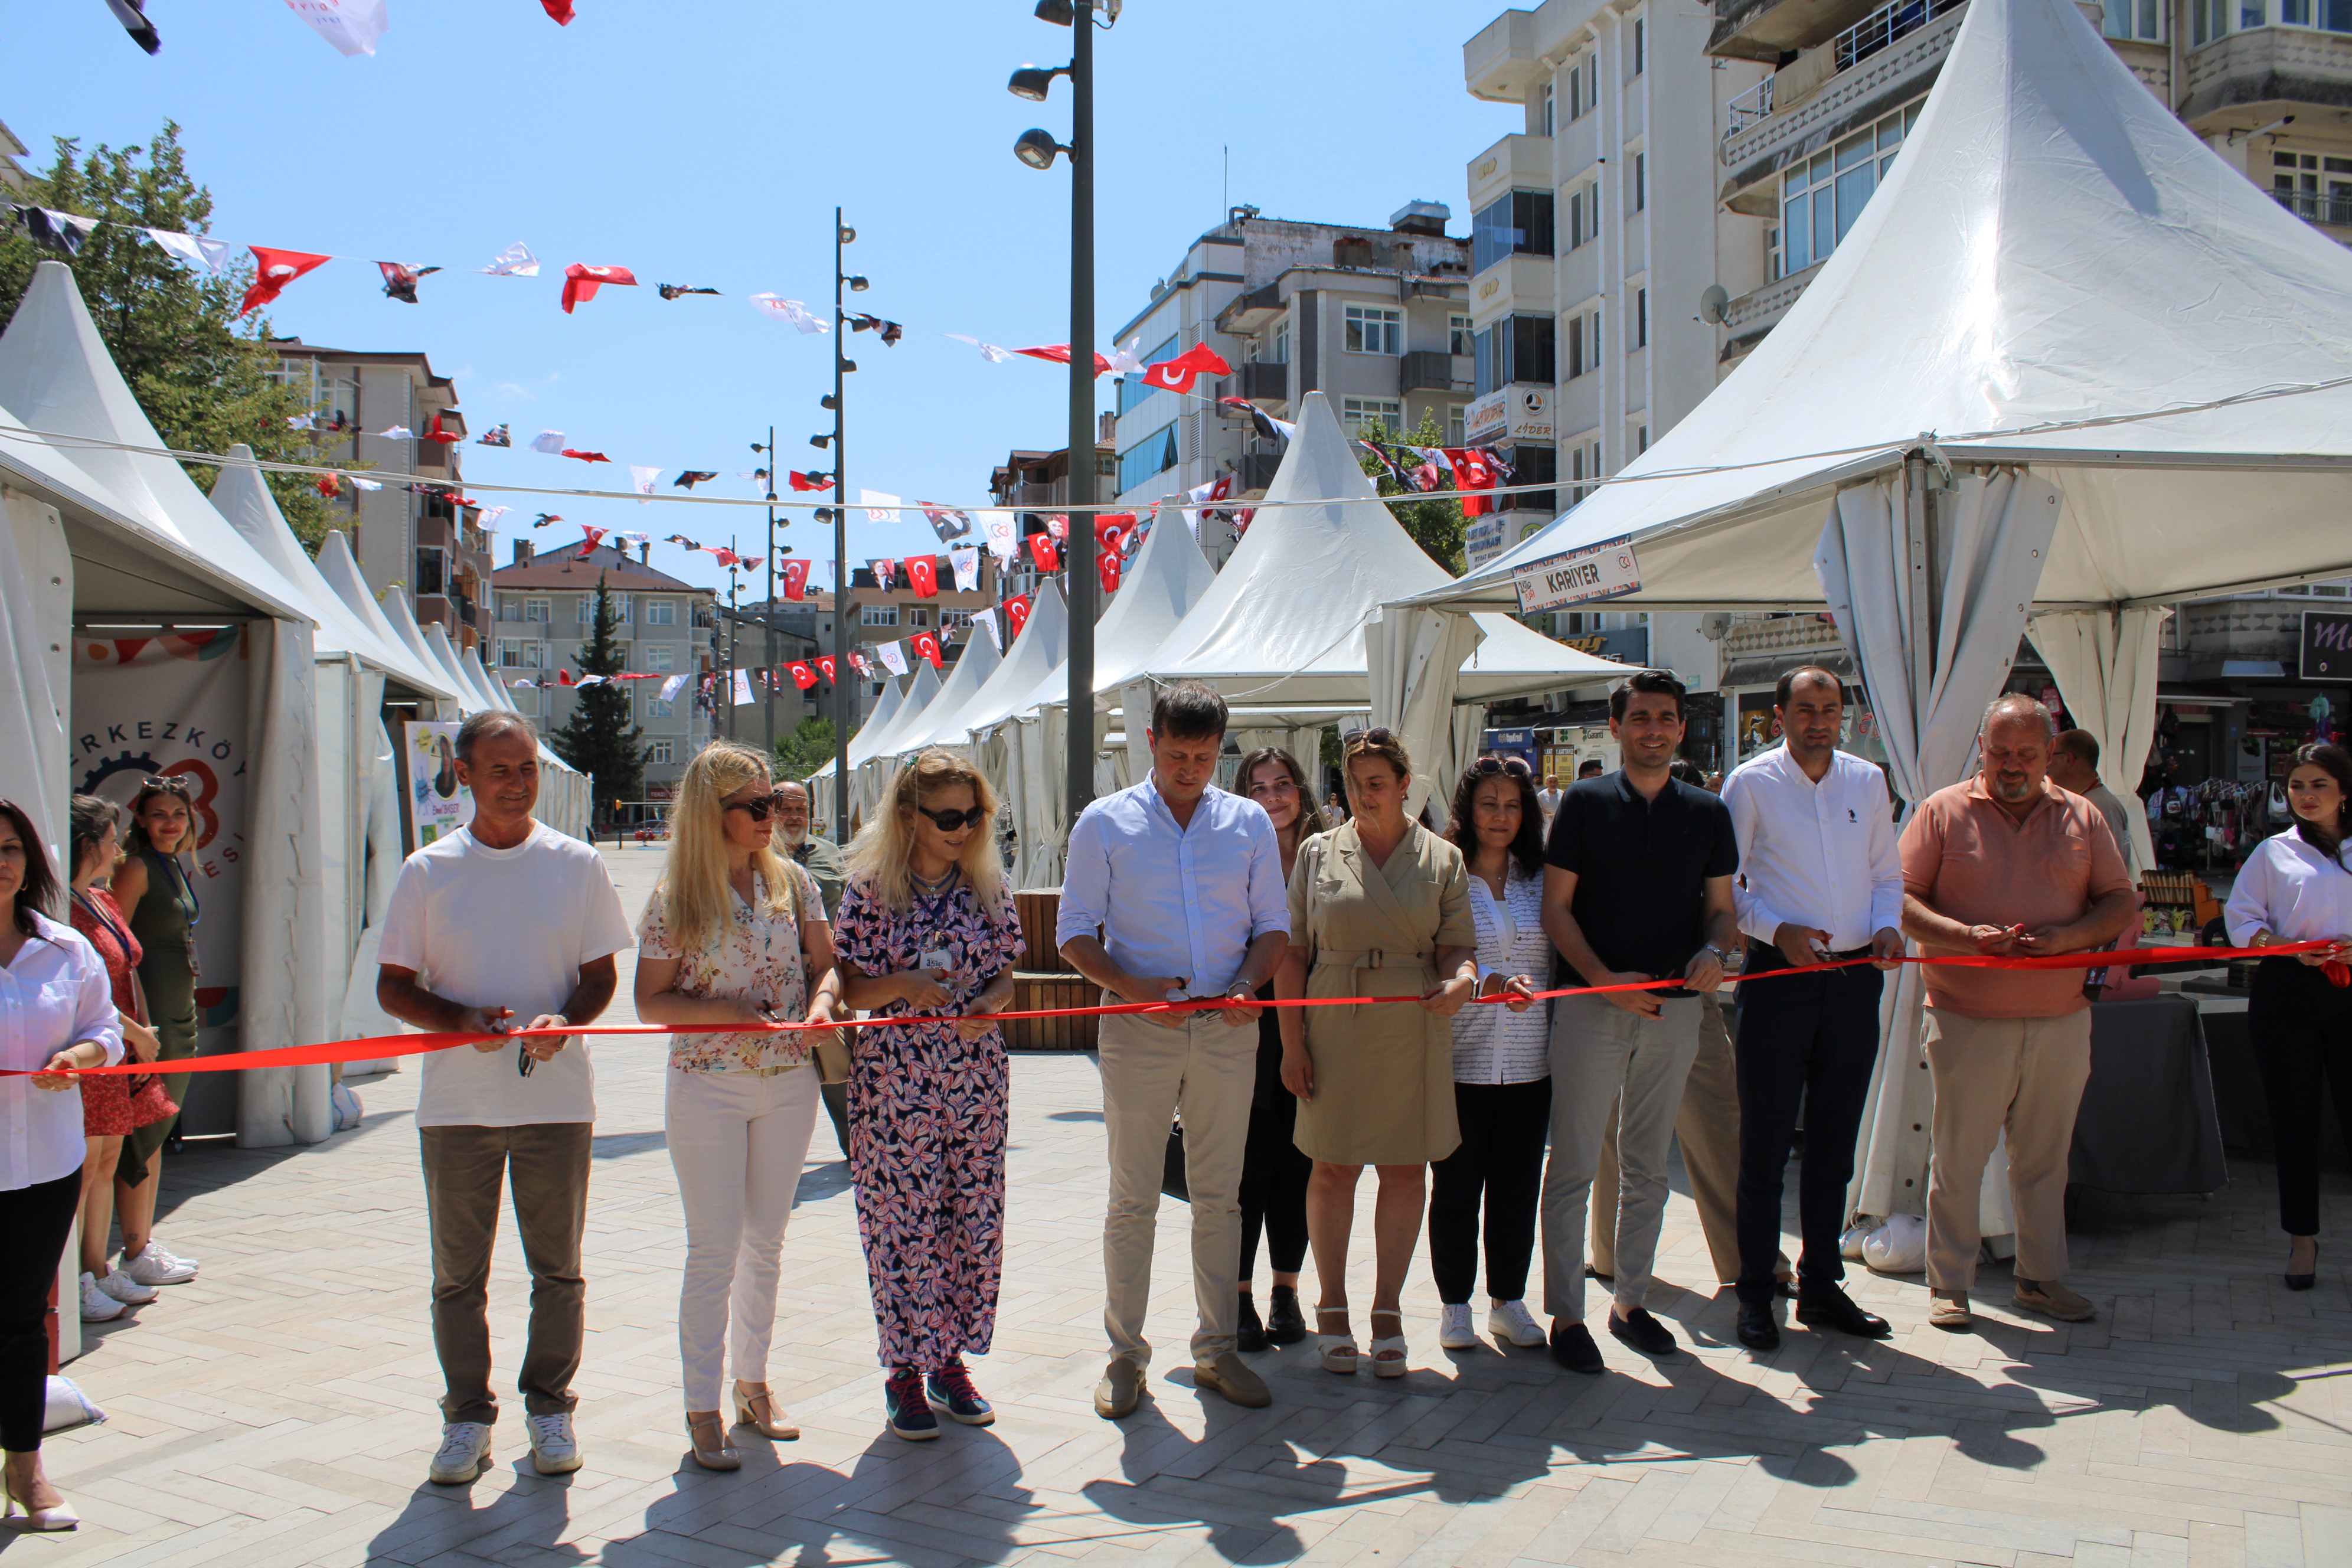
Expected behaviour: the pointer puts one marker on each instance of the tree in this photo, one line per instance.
(203, 376)
(598, 738)
(1434, 520)
(808, 748)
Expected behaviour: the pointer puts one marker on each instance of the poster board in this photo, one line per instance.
(432, 803)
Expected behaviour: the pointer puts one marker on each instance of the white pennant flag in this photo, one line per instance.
(894, 656)
(672, 686)
(549, 441)
(986, 621)
(790, 311)
(646, 479)
(988, 351)
(397, 433)
(487, 517)
(966, 560)
(365, 484)
(1001, 531)
(1127, 361)
(743, 688)
(879, 508)
(515, 261)
(352, 26)
(194, 249)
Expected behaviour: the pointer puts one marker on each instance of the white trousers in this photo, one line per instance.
(737, 1140)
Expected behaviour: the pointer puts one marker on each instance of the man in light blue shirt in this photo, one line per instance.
(1183, 882)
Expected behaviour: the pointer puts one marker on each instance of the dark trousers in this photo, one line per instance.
(1501, 1158)
(2301, 1028)
(547, 1166)
(1806, 1042)
(36, 1220)
(1274, 1173)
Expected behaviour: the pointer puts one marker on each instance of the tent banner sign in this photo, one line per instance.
(1604, 570)
(2326, 646)
(437, 804)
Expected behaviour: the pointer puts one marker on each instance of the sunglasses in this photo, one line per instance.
(1488, 767)
(949, 821)
(1383, 736)
(169, 786)
(759, 810)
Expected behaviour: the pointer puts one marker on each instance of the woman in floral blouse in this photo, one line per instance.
(928, 936)
(735, 934)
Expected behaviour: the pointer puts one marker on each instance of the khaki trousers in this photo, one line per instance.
(1707, 1125)
(547, 1166)
(2023, 1076)
(1205, 1070)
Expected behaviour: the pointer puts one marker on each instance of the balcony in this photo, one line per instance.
(2331, 211)
(1258, 470)
(1882, 62)
(1428, 370)
(1500, 63)
(1514, 283)
(2269, 65)
(1767, 29)
(1252, 311)
(1263, 381)
(1515, 162)
(1755, 313)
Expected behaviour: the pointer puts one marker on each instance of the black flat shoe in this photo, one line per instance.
(1572, 1347)
(1642, 1332)
(1758, 1331)
(1831, 1308)
(2306, 1281)
(1284, 1323)
(1251, 1333)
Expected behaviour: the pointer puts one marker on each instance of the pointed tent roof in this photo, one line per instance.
(445, 654)
(877, 723)
(341, 573)
(940, 726)
(2051, 245)
(1160, 585)
(1284, 622)
(923, 685)
(1037, 654)
(57, 376)
(470, 665)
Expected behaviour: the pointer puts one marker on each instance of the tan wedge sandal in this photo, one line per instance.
(1338, 1351)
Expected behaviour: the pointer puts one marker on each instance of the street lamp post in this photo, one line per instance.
(844, 680)
(767, 614)
(734, 636)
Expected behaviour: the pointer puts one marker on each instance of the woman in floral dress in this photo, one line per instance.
(927, 936)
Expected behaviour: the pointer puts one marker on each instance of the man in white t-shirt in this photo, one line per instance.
(1547, 797)
(504, 920)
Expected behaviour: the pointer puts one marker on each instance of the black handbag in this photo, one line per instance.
(1171, 1170)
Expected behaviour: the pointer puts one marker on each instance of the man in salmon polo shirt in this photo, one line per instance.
(2008, 864)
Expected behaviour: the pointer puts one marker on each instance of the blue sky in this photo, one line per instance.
(706, 144)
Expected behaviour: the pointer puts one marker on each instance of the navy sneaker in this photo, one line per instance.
(951, 1390)
(909, 1414)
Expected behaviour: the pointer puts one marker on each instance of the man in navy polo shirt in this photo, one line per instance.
(1638, 886)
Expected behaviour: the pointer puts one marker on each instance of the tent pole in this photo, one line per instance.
(1917, 552)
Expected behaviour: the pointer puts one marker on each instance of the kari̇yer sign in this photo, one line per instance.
(1605, 570)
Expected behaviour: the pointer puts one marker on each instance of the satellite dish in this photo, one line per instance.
(1715, 303)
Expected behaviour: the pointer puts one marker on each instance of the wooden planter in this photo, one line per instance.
(1033, 989)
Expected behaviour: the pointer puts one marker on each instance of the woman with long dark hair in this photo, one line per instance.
(1274, 1173)
(57, 1016)
(2297, 886)
(1502, 1064)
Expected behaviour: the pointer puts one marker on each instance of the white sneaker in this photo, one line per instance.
(97, 1305)
(1513, 1322)
(464, 1453)
(1454, 1330)
(554, 1451)
(153, 1266)
(126, 1290)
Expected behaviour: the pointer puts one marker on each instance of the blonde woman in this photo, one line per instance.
(928, 936)
(734, 933)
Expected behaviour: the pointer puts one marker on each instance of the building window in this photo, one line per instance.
(1543, 121)
(1641, 43)
(1640, 182)
(1281, 355)
(2144, 19)
(1458, 333)
(1517, 224)
(877, 615)
(535, 610)
(661, 612)
(1584, 86)
(917, 616)
(1583, 343)
(526, 701)
(1640, 439)
(1641, 317)
(1516, 348)
(1155, 453)
(516, 654)
(1357, 412)
(658, 708)
(1374, 330)
(2313, 186)
(661, 656)
(665, 754)
(1821, 199)
(1458, 424)
(585, 608)
(621, 607)
(1583, 464)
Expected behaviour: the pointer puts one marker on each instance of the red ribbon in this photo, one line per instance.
(384, 1047)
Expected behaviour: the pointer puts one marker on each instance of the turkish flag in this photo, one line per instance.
(1016, 613)
(581, 281)
(923, 575)
(927, 646)
(1059, 353)
(1043, 550)
(330, 484)
(724, 556)
(559, 11)
(796, 572)
(564, 677)
(885, 571)
(1113, 530)
(803, 676)
(594, 536)
(273, 269)
(1176, 374)
(825, 666)
(1106, 568)
(801, 481)
(1472, 471)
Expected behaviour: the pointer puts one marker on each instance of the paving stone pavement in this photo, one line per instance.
(279, 1411)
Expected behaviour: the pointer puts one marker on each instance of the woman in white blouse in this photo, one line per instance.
(735, 934)
(1502, 1064)
(57, 1012)
(2296, 887)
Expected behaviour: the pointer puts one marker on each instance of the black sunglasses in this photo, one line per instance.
(170, 786)
(949, 821)
(760, 810)
(1383, 736)
(1488, 767)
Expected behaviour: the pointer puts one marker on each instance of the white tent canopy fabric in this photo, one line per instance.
(940, 724)
(869, 779)
(1157, 591)
(1036, 656)
(340, 572)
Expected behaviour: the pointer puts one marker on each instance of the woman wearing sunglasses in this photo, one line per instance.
(734, 933)
(927, 939)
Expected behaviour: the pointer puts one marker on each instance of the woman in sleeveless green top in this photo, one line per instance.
(153, 889)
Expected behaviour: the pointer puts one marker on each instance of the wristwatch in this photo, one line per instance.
(1721, 957)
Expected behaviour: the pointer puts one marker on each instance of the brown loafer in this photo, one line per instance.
(1120, 1390)
(2052, 1299)
(1949, 1309)
(1230, 1375)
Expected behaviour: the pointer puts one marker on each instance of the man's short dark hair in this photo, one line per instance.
(490, 722)
(2080, 744)
(1591, 768)
(1786, 686)
(1657, 682)
(1188, 711)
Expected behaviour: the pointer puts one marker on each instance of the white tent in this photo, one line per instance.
(2052, 366)
(1026, 781)
(861, 745)
(340, 572)
(941, 723)
(868, 779)
(55, 376)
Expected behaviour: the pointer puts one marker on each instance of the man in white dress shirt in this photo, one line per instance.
(1820, 877)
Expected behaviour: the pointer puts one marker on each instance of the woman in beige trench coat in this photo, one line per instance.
(1379, 907)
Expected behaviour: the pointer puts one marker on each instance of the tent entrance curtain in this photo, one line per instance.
(1930, 588)
(1415, 657)
(2104, 663)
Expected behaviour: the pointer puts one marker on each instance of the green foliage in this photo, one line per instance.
(808, 748)
(201, 375)
(598, 738)
(1434, 519)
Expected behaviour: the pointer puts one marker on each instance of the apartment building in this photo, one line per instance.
(545, 609)
(1034, 485)
(1377, 319)
(422, 544)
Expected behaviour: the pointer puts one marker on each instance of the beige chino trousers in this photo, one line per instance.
(2021, 1076)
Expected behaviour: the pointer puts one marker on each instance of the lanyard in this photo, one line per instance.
(121, 938)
